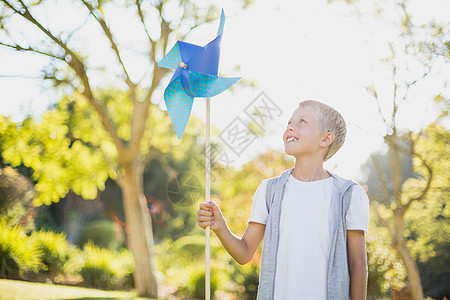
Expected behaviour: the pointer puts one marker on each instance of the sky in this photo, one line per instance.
(292, 50)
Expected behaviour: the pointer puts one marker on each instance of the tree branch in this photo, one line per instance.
(382, 219)
(165, 28)
(394, 98)
(373, 92)
(197, 24)
(383, 180)
(428, 183)
(29, 49)
(108, 159)
(409, 85)
(19, 76)
(110, 37)
(141, 112)
(69, 36)
(395, 167)
(141, 17)
(75, 63)
(427, 186)
(152, 42)
(183, 37)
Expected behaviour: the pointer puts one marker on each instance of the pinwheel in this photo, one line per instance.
(196, 75)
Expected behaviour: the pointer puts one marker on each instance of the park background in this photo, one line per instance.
(81, 146)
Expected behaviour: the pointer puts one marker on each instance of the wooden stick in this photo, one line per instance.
(207, 198)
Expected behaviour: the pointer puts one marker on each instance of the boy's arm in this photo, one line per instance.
(242, 249)
(357, 264)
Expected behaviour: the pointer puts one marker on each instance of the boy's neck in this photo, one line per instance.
(309, 169)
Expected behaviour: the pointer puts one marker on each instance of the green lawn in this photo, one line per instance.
(21, 290)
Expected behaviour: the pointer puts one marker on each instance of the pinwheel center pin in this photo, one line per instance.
(183, 65)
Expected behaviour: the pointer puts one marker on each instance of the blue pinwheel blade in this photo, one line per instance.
(188, 50)
(222, 23)
(179, 105)
(207, 60)
(172, 59)
(181, 51)
(205, 85)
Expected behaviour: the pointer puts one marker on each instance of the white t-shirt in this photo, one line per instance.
(306, 230)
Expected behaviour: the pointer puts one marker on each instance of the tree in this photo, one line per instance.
(122, 150)
(414, 52)
(393, 200)
(393, 205)
(428, 222)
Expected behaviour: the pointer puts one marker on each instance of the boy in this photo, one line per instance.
(313, 221)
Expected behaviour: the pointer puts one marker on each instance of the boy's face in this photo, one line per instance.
(302, 136)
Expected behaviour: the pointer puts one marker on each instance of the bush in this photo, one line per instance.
(191, 245)
(244, 278)
(17, 252)
(251, 281)
(104, 234)
(16, 196)
(195, 285)
(56, 252)
(106, 269)
(434, 276)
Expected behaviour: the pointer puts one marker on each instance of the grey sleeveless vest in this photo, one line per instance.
(338, 277)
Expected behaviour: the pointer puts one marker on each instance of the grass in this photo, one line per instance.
(21, 290)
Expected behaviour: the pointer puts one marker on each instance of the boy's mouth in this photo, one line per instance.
(291, 139)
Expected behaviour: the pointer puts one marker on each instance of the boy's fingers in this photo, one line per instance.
(205, 218)
(203, 206)
(209, 209)
(212, 205)
(204, 224)
(202, 212)
(209, 205)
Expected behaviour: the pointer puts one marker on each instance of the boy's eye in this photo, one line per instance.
(301, 120)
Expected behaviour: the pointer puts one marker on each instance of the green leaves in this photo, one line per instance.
(107, 269)
(60, 160)
(18, 254)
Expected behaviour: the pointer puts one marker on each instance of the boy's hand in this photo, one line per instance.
(209, 214)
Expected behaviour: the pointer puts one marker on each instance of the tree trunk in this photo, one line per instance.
(139, 229)
(412, 271)
(414, 281)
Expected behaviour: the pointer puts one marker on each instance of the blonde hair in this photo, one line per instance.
(330, 120)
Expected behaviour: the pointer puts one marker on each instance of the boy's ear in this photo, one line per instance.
(327, 139)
